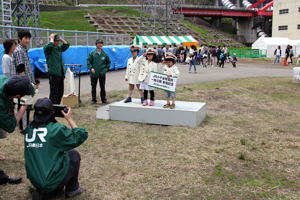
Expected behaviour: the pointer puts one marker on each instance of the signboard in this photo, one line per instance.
(161, 81)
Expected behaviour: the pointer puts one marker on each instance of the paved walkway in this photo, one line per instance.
(115, 79)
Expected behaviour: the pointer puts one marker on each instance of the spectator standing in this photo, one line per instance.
(222, 59)
(209, 60)
(20, 55)
(98, 62)
(218, 53)
(277, 55)
(287, 53)
(213, 56)
(53, 52)
(192, 62)
(226, 52)
(160, 53)
(291, 54)
(186, 53)
(175, 50)
(8, 68)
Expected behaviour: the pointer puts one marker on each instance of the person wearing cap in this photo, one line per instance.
(98, 63)
(50, 159)
(53, 53)
(15, 87)
(171, 71)
(132, 73)
(147, 67)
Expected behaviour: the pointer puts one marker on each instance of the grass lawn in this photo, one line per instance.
(74, 19)
(247, 148)
(199, 30)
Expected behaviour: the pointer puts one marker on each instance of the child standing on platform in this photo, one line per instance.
(132, 73)
(146, 68)
(171, 71)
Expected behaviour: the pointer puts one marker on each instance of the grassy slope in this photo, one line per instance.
(74, 19)
(248, 148)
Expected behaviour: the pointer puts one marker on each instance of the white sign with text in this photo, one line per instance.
(161, 81)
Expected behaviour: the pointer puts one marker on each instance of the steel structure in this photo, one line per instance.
(20, 13)
(5, 10)
(224, 11)
(158, 13)
(26, 13)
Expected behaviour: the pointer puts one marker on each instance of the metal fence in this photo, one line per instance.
(40, 36)
(248, 53)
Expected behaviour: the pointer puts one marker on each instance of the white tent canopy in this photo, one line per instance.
(164, 40)
(269, 44)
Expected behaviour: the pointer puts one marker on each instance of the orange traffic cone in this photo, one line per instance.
(285, 62)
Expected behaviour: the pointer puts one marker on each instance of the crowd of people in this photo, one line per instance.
(203, 56)
(288, 55)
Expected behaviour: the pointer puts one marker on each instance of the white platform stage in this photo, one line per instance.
(184, 114)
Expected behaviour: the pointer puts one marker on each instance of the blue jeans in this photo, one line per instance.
(192, 62)
(277, 59)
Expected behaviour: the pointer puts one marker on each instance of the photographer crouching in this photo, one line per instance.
(15, 87)
(51, 162)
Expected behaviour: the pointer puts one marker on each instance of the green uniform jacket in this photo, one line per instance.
(7, 121)
(46, 157)
(54, 58)
(99, 62)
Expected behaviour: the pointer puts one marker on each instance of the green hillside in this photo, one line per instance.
(74, 19)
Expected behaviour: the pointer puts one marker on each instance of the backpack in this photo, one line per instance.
(222, 56)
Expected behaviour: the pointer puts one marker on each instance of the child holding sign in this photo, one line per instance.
(146, 68)
(171, 71)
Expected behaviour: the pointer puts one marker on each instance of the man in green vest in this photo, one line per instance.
(50, 159)
(98, 62)
(53, 52)
(15, 87)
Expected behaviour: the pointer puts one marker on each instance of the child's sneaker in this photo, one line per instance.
(128, 100)
(151, 103)
(172, 106)
(167, 105)
(145, 103)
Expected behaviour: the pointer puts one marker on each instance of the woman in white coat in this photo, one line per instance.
(147, 67)
(132, 73)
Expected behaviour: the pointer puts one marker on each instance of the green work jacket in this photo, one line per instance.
(46, 158)
(99, 62)
(54, 59)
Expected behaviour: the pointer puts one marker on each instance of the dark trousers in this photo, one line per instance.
(218, 60)
(151, 94)
(94, 81)
(3, 177)
(221, 63)
(56, 88)
(70, 182)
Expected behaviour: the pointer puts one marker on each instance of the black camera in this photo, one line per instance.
(58, 108)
